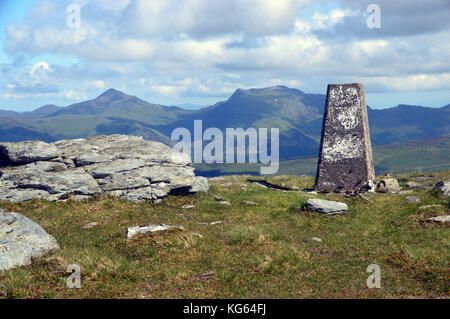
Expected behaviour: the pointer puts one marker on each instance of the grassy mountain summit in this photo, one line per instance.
(116, 104)
(297, 114)
(271, 248)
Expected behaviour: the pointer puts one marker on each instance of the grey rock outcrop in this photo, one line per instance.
(21, 239)
(326, 207)
(120, 165)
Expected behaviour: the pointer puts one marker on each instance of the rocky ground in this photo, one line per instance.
(245, 237)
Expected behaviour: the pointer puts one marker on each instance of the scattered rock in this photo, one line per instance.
(310, 191)
(440, 219)
(249, 202)
(259, 184)
(216, 179)
(296, 188)
(412, 199)
(388, 185)
(231, 184)
(221, 201)
(414, 185)
(326, 207)
(124, 166)
(197, 234)
(207, 274)
(211, 223)
(266, 184)
(188, 206)
(422, 187)
(80, 198)
(443, 187)
(90, 225)
(430, 206)
(422, 178)
(411, 184)
(316, 239)
(157, 201)
(226, 184)
(21, 240)
(149, 228)
(409, 191)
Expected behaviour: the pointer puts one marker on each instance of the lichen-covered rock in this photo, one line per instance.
(388, 185)
(124, 166)
(443, 187)
(74, 180)
(21, 239)
(326, 207)
(26, 152)
(21, 195)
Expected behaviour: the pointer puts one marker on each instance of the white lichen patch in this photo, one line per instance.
(336, 148)
(346, 102)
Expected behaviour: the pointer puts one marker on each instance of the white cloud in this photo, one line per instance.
(168, 90)
(415, 82)
(99, 84)
(190, 48)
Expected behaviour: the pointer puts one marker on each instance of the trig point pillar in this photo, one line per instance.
(345, 159)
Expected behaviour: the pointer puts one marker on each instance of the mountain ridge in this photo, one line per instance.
(297, 114)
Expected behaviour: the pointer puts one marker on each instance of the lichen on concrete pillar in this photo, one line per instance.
(345, 161)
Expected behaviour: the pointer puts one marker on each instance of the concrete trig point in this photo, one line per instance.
(345, 159)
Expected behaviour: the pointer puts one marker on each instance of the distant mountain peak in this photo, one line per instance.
(276, 89)
(111, 95)
(112, 91)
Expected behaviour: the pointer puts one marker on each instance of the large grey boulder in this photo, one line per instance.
(443, 187)
(125, 166)
(21, 239)
(326, 207)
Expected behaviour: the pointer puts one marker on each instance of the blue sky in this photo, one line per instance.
(176, 52)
